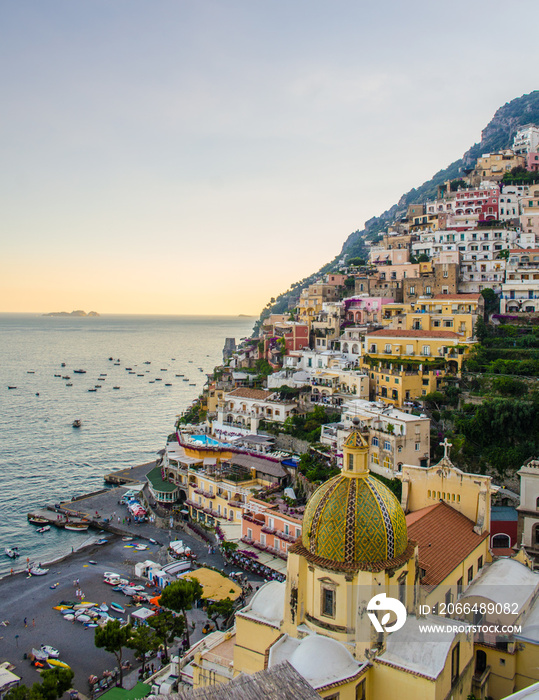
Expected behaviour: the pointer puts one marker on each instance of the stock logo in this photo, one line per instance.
(381, 603)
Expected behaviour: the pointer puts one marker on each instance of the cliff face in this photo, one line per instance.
(497, 135)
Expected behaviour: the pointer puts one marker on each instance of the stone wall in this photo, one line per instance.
(291, 444)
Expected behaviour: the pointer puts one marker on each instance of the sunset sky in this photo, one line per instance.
(177, 157)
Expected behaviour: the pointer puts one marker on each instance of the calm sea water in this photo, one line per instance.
(43, 459)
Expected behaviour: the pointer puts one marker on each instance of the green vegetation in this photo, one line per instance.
(114, 638)
(180, 596)
(220, 609)
(166, 627)
(520, 176)
(315, 468)
(194, 414)
(55, 682)
(308, 427)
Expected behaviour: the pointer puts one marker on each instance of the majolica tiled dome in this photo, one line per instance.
(354, 518)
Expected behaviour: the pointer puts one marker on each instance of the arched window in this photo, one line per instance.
(480, 662)
(501, 541)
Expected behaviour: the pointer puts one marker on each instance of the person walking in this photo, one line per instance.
(25, 622)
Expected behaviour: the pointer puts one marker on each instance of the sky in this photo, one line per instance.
(198, 157)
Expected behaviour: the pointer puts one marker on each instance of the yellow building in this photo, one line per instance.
(454, 312)
(360, 556)
(354, 562)
(406, 364)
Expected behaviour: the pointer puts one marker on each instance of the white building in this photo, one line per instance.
(520, 291)
(395, 437)
(242, 410)
(526, 139)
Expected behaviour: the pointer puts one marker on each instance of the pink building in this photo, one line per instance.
(532, 162)
(266, 527)
(363, 310)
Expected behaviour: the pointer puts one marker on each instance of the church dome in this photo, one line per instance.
(354, 517)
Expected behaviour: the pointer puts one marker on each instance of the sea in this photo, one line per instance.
(43, 458)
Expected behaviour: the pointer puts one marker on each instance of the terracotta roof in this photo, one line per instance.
(445, 538)
(260, 394)
(457, 296)
(524, 251)
(398, 333)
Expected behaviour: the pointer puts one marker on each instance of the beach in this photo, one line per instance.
(33, 598)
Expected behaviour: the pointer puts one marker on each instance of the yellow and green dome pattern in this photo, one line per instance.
(354, 519)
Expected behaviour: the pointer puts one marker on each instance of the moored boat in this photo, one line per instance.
(37, 519)
(117, 607)
(79, 371)
(46, 528)
(12, 552)
(76, 527)
(77, 423)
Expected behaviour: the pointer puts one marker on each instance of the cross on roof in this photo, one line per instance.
(446, 445)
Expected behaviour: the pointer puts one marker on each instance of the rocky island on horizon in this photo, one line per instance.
(79, 313)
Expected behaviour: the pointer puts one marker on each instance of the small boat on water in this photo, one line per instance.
(192, 384)
(103, 374)
(63, 364)
(101, 379)
(129, 369)
(115, 387)
(30, 371)
(77, 423)
(117, 607)
(12, 552)
(158, 379)
(12, 387)
(66, 377)
(76, 527)
(164, 370)
(69, 384)
(168, 384)
(58, 375)
(92, 389)
(45, 528)
(140, 375)
(37, 520)
(147, 362)
(79, 371)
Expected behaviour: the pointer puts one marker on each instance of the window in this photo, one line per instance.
(374, 442)
(470, 574)
(328, 601)
(249, 533)
(448, 597)
(480, 563)
(460, 586)
(412, 291)
(417, 446)
(455, 663)
(286, 529)
(409, 349)
(425, 350)
(350, 462)
(387, 445)
(361, 690)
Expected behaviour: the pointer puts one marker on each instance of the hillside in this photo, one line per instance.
(498, 134)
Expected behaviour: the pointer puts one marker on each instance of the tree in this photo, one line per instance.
(167, 627)
(142, 641)
(221, 608)
(113, 638)
(55, 683)
(180, 596)
(492, 301)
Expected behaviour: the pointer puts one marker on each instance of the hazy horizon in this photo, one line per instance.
(181, 158)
